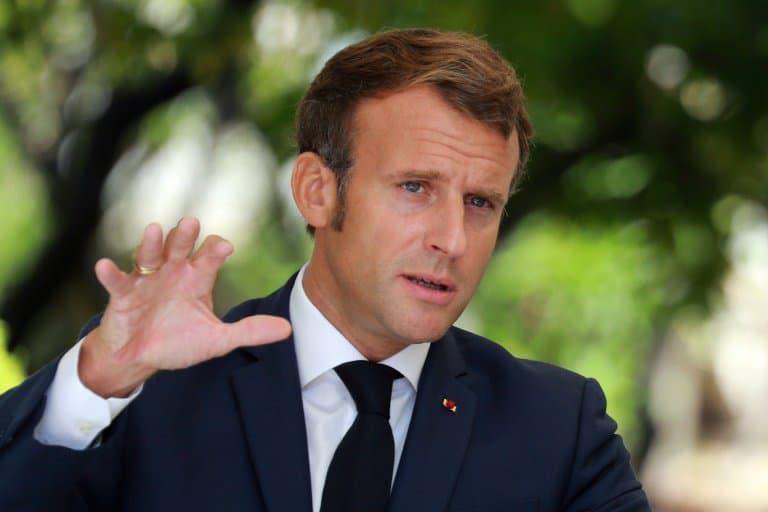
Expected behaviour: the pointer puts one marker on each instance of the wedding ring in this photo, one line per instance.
(144, 271)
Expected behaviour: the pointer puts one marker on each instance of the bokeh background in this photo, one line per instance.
(636, 251)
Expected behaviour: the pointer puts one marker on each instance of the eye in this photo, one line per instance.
(479, 202)
(413, 186)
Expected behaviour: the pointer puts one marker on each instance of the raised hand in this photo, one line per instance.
(160, 316)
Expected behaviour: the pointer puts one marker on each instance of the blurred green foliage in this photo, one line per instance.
(11, 369)
(582, 295)
(23, 209)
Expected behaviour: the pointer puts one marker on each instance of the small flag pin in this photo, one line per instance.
(449, 404)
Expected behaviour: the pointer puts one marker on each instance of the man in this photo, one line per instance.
(409, 143)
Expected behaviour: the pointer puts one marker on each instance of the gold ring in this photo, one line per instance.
(144, 271)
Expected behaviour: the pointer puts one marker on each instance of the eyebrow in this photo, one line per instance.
(432, 175)
(418, 174)
(495, 197)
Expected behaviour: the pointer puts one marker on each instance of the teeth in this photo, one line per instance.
(428, 284)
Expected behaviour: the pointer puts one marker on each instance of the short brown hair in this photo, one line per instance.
(469, 74)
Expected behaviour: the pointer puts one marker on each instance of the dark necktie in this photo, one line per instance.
(360, 475)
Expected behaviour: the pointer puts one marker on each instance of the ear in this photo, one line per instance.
(314, 189)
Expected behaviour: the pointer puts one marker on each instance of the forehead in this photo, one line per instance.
(417, 121)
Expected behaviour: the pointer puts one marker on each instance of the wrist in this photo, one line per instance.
(103, 373)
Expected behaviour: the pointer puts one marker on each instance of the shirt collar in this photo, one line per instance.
(320, 347)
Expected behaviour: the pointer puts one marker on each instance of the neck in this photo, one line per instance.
(321, 295)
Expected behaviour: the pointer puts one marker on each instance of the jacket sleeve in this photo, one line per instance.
(38, 477)
(601, 478)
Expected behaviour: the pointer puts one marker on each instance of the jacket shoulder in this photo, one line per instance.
(276, 303)
(502, 370)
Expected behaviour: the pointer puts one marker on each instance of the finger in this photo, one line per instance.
(255, 330)
(181, 240)
(114, 280)
(211, 255)
(149, 254)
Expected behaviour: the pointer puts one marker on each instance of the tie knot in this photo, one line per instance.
(370, 385)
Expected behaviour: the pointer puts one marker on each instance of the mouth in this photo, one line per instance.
(430, 282)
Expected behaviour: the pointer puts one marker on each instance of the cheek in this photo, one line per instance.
(390, 233)
(480, 255)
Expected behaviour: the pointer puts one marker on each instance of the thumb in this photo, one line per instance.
(256, 330)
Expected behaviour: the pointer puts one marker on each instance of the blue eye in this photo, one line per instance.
(413, 186)
(479, 202)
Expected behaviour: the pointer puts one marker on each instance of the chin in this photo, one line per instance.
(421, 333)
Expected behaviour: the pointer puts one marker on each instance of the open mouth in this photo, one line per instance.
(427, 284)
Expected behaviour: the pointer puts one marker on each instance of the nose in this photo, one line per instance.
(447, 233)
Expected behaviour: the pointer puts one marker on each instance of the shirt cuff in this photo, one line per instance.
(75, 416)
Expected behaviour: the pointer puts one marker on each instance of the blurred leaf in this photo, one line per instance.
(580, 295)
(11, 370)
(23, 209)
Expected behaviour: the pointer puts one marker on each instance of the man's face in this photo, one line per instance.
(423, 207)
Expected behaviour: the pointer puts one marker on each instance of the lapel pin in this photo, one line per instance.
(449, 404)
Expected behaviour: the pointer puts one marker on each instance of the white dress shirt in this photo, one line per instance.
(74, 416)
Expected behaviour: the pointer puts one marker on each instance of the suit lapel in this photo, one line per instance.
(268, 394)
(437, 438)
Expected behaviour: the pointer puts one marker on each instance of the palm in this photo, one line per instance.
(165, 320)
(167, 316)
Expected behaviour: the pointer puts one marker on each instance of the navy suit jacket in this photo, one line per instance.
(229, 434)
